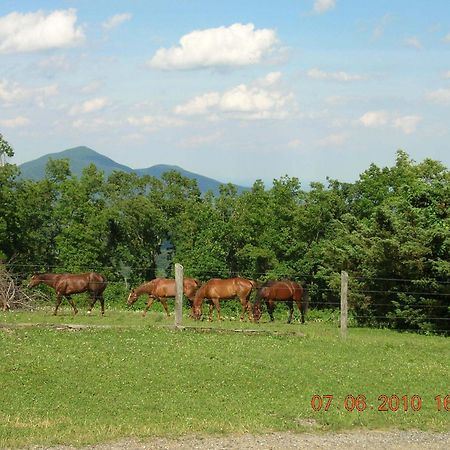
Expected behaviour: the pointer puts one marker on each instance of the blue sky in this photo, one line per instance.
(233, 90)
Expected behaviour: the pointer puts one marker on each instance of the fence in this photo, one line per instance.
(328, 294)
(428, 306)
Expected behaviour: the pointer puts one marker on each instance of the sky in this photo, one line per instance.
(235, 90)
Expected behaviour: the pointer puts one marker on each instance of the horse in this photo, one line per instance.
(66, 284)
(161, 289)
(217, 289)
(287, 291)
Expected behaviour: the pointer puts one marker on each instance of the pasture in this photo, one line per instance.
(128, 376)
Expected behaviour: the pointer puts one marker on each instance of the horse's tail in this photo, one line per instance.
(105, 281)
(256, 284)
(99, 280)
(257, 303)
(258, 296)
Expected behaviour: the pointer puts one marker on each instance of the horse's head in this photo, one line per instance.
(256, 311)
(197, 306)
(197, 312)
(34, 281)
(132, 297)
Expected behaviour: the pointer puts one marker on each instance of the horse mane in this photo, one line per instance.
(268, 283)
(260, 288)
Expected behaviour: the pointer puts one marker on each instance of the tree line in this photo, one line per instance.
(390, 230)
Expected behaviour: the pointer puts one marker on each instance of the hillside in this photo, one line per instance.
(81, 157)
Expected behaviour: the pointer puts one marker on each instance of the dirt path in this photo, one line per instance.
(411, 440)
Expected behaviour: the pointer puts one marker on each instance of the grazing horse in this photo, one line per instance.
(217, 289)
(161, 289)
(66, 284)
(274, 291)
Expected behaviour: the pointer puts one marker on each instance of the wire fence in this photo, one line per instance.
(370, 300)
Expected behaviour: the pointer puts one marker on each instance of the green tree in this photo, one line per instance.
(136, 226)
(8, 201)
(81, 244)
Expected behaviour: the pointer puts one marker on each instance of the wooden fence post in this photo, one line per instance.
(179, 294)
(344, 306)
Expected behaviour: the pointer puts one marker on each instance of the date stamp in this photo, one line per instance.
(386, 402)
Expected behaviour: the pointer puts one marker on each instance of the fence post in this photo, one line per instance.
(344, 306)
(179, 294)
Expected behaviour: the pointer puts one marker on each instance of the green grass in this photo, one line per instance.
(135, 377)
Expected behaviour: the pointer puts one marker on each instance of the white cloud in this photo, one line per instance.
(116, 20)
(377, 119)
(13, 93)
(447, 38)
(381, 25)
(198, 141)
(439, 96)
(96, 124)
(322, 6)
(259, 100)
(42, 94)
(335, 100)
(407, 124)
(152, 123)
(236, 45)
(413, 42)
(91, 87)
(89, 106)
(318, 74)
(447, 74)
(19, 121)
(295, 143)
(37, 31)
(199, 105)
(334, 140)
(270, 79)
(374, 118)
(55, 62)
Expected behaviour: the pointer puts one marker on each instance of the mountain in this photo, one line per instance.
(80, 157)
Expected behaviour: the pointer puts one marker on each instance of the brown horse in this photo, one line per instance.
(161, 289)
(287, 291)
(217, 289)
(65, 285)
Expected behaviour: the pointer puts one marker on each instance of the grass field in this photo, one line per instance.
(128, 376)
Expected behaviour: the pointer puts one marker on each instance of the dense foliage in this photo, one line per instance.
(390, 230)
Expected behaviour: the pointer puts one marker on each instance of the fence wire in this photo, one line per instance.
(317, 285)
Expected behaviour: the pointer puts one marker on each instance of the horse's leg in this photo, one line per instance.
(299, 306)
(270, 308)
(149, 304)
(217, 305)
(211, 309)
(92, 302)
(164, 303)
(244, 306)
(69, 299)
(102, 304)
(58, 302)
(290, 304)
(249, 311)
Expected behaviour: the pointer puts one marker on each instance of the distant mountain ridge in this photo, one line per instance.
(80, 157)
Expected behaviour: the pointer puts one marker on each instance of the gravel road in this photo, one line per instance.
(411, 440)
